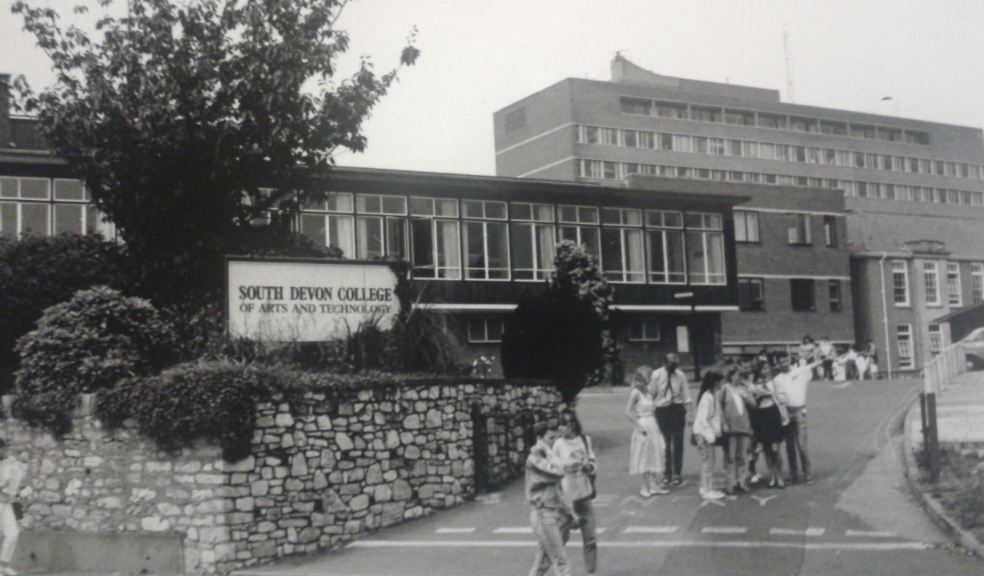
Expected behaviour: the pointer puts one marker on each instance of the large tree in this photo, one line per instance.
(191, 120)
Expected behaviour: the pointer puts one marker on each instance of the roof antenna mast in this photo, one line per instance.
(788, 52)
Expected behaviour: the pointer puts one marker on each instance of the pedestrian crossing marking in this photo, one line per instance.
(746, 544)
(513, 530)
(724, 530)
(810, 532)
(650, 530)
(454, 530)
(763, 500)
(597, 530)
(714, 502)
(870, 534)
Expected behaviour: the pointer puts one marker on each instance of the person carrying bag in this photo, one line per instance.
(573, 452)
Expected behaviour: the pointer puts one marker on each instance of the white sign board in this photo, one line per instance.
(307, 301)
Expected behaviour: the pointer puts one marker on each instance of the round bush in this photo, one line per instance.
(83, 345)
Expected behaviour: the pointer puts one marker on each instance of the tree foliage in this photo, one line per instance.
(192, 120)
(562, 333)
(37, 272)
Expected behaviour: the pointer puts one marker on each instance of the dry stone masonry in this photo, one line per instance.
(325, 468)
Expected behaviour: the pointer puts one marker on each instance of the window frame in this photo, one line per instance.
(643, 321)
(803, 231)
(793, 294)
(756, 305)
(931, 270)
(655, 222)
(485, 338)
(711, 226)
(836, 304)
(904, 346)
(977, 282)
(746, 216)
(830, 231)
(894, 271)
(535, 222)
(954, 291)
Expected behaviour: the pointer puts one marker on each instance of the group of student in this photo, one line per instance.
(857, 363)
(745, 409)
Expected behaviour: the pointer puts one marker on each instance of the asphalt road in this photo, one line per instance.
(856, 519)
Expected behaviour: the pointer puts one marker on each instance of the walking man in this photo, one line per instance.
(549, 515)
(11, 475)
(673, 404)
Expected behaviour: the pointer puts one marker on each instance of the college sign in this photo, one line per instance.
(297, 300)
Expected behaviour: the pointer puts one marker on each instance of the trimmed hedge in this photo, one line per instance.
(216, 401)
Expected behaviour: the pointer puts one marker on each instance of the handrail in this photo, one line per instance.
(939, 372)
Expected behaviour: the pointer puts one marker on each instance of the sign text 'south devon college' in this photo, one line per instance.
(307, 301)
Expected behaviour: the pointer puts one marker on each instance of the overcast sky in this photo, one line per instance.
(480, 55)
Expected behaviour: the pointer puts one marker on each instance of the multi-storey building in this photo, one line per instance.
(475, 244)
(648, 124)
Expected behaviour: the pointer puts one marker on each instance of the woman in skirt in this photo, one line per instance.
(767, 425)
(646, 449)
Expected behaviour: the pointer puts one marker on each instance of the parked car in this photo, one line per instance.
(973, 345)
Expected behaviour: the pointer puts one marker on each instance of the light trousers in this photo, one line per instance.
(585, 518)
(552, 528)
(707, 457)
(735, 451)
(9, 531)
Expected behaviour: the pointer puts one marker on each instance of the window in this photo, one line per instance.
(623, 256)
(802, 124)
(931, 282)
(485, 329)
(702, 114)
(830, 231)
(746, 226)
(330, 229)
(801, 292)
(900, 282)
(671, 110)
(954, 295)
(21, 218)
(771, 121)
(486, 243)
(935, 339)
(635, 105)
(588, 236)
(435, 242)
(739, 117)
(751, 294)
(903, 338)
(705, 248)
(71, 190)
(667, 255)
(385, 232)
(977, 282)
(644, 328)
(799, 233)
(25, 188)
(532, 239)
(834, 295)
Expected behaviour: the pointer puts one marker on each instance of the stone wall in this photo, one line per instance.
(325, 468)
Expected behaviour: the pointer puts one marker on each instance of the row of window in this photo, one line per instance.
(774, 151)
(931, 283)
(800, 233)
(43, 207)
(702, 113)
(802, 292)
(493, 240)
(610, 170)
(489, 329)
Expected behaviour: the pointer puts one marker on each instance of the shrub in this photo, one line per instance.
(563, 333)
(36, 273)
(419, 342)
(211, 401)
(84, 345)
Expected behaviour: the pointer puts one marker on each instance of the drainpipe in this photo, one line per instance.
(888, 341)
